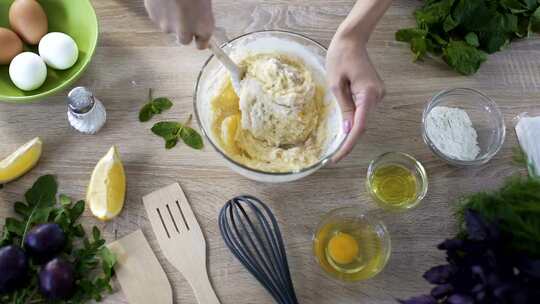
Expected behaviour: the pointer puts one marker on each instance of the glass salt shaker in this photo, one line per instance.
(85, 113)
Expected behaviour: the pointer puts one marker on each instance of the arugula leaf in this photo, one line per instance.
(463, 58)
(154, 106)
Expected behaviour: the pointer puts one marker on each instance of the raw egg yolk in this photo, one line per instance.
(343, 248)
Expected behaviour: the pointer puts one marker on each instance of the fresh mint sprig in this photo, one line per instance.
(154, 106)
(173, 131)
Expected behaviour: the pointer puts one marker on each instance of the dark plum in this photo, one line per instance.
(57, 279)
(44, 241)
(13, 268)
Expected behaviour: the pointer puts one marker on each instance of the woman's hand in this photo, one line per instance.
(188, 19)
(354, 82)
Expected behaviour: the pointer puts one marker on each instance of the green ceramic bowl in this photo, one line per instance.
(76, 18)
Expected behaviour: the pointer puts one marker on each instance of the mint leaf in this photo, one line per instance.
(464, 58)
(171, 143)
(146, 113)
(154, 106)
(191, 138)
(472, 39)
(167, 129)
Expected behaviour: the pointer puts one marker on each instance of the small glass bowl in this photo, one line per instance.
(485, 115)
(346, 220)
(409, 163)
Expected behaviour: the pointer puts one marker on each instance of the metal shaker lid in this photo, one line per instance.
(81, 100)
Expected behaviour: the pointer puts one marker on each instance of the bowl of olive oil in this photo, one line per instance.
(397, 181)
(350, 245)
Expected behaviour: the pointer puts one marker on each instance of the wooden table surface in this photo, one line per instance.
(133, 56)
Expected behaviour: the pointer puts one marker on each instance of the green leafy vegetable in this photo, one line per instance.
(92, 260)
(172, 131)
(516, 210)
(463, 31)
(154, 106)
(462, 57)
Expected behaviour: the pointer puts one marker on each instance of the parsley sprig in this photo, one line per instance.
(92, 260)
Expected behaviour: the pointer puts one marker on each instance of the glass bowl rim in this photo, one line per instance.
(323, 161)
(435, 99)
(419, 167)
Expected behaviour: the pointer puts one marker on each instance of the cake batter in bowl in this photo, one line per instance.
(284, 123)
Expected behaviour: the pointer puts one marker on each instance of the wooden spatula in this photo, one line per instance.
(138, 270)
(180, 238)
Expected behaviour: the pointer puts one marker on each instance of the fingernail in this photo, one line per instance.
(346, 126)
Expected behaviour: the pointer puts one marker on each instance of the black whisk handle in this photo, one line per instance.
(252, 233)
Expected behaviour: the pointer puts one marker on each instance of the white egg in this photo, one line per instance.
(58, 50)
(27, 71)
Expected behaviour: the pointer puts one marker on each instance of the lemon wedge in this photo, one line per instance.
(20, 161)
(107, 189)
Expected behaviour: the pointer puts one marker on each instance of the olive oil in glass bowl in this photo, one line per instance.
(396, 181)
(351, 246)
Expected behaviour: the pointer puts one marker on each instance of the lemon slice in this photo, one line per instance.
(229, 128)
(107, 189)
(20, 161)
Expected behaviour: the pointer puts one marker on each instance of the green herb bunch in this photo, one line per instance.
(463, 32)
(170, 131)
(515, 208)
(92, 260)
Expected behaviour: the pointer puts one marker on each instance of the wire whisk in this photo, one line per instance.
(251, 232)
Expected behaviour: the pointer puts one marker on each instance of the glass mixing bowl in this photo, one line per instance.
(486, 118)
(312, 52)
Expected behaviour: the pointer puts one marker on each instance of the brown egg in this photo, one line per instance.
(11, 45)
(27, 18)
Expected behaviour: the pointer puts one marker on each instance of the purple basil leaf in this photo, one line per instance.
(425, 299)
(439, 274)
(442, 291)
(530, 267)
(479, 273)
(451, 244)
(460, 299)
(477, 229)
(521, 297)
